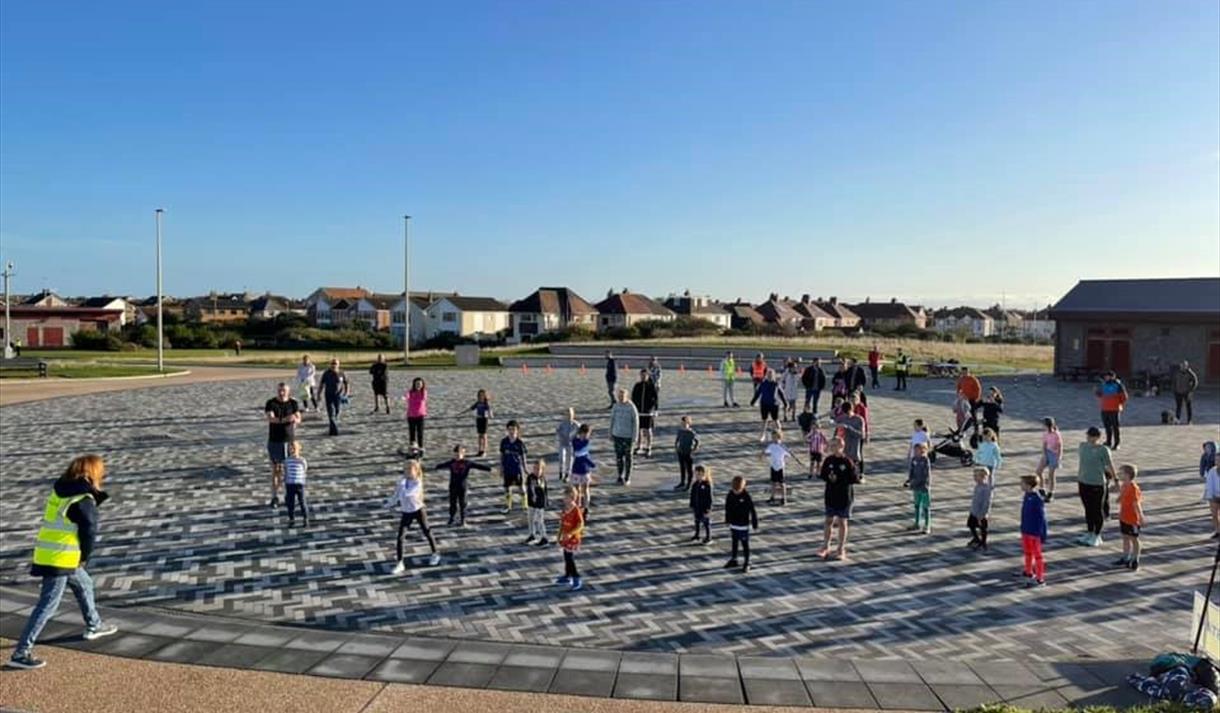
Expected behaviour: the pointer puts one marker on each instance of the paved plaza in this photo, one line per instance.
(188, 529)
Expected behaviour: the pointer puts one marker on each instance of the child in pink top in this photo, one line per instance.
(417, 410)
(860, 409)
(1052, 453)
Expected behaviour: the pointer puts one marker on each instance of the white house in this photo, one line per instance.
(467, 316)
(963, 320)
(321, 303)
(699, 307)
(418, 315)
(1038, 324)
(114, 304)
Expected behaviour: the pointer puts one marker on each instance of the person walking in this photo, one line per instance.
(307, 382)
(381, 382)
(611, 377)
(874, 365)
(857, 379)
(728, 374)
(334, 387)
(902, 369)
(283, 415)
(625, 430)
(1094, 468)
(758, 370)
(971, 389)
(654, 372)
(814, 381)
(1112, 397)
(791, 381)
(644, 396)
(564, 433)
(62, 549)
(1185, 381)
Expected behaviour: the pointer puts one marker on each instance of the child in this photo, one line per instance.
(512, 464)
(409, 499)
(1130, 516)
(535, 497)
(776, 453)
(459, 473)
(769, 395)
(571, 532)
(739, 515)
(686, 443)
(1211, 491)
(988, 453)
(852, 429)
(294, 483)
(482, 416)
(1052, 453)
(859, 407)
(1033, 532)
(962, 411)
(564, 433)
(806, 420)
(840, 475)
(980, 507)
(582, 465)
(417, 410)
(818, 445)
(919, 476)
(701, 502)
(993, 406)
(918, 436)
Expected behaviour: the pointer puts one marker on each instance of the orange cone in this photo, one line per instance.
(525, 368)
(681, 368)
(709, 370)
(582, 368)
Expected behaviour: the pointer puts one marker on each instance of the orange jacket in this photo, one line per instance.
(971, 387)
(571, 529)
(758, 370)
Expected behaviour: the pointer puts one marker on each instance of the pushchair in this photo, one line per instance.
(951, 445)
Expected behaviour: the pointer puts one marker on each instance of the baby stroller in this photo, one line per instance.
(951, 446)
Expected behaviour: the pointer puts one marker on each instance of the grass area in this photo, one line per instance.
(60, 370)
(352, 359)
(1163, 707)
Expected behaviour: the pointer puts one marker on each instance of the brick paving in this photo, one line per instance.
(189, 531)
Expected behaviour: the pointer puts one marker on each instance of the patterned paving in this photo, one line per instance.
(188, 529)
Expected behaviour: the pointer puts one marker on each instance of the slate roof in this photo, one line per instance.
(476, 304)
(632, 303)
(553, 300)
(883, 310)
(1187, 296)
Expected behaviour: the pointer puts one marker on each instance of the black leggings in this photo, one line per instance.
(404, 524)
(1094, 499)
(415, 430)
(686, 467)
(1109, 419)
(569, 565)
(742, 536)
(457, 503)
(978, 528)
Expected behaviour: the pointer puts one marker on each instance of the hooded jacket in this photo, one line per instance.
(84, 514)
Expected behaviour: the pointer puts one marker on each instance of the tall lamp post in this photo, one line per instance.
(160, 321)
(8, 324)
(406, 290)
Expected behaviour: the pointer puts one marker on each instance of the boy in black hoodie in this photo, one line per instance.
(740, 516)
(701, 502)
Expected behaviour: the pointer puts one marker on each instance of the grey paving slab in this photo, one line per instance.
(964, 697)
(168, 627)
(184, 651)
(219, 631)
(479, 652)
(346, 666)
(644, 663)
(1005, 673)
(905, 696)
(270, 637)
(235, 656)
(768, 668)
(583, 682)
(1031, 697)
(590, 660)
(1116, 696)
(522, 678)
(317, 641)
(535, 656)
(883, 671)
(11, 602)
(396, 670)
(840, 694)
(710, 689)
(290, 660)
(946, 672)
(708, 666)
(647, 686)
(776, 692)
(11, 625)
(464, 675)
(1114, 673)
(423, 650)
(130, 645)
(369, 645)
(814, 669)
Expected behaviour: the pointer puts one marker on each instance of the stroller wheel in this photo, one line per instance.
(967, 459)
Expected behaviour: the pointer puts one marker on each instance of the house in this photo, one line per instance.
(320, 304)
(54, 326)
(375, 311)
(889, 315)
(1007, 321)
(419, 303)
(1132, 326)
(624, 309)
(963, 320)
(119, 304)
(550, 309)
(477, 317)
(699, 307)
(146, 309)
(1037, 324)
(844, 317)
(46, 298)
(743, 316)
(269, 306)
(218, 308)
(779, 313)
(813, 318)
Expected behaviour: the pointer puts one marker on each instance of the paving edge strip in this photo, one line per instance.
(476, 664)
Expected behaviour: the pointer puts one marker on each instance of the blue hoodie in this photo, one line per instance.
(1208, 459)
(1033, 516)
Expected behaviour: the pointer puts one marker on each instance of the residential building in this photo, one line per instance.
(375, 311)
(46, 298)
(475, 317)
(1132, 326)
(813, 318)
(699, 307)
(550, 309)
(1007, 321)
(54, 326)
(779, 313)
(1038, 324)
(966, 321)
(419, 303)
(323, 301)
(743, 316)
(624, 309)
(843, 316)
(889, 315)
(146, 309)
(269, 306)
(218, 308)
(118, 304)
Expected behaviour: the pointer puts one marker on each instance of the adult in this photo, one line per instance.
(381, 382)
(624, 429)
(758, 370)
(334, 387)
(1112, 397)
(1185, 381)
(62, 549)
(237, 347)
(874, 365)
(307, 382)
(611, 376)
(728, 375)
(644, 397)
(283, 415)
(769, 395)
(814, 381)
(654, 371)
(1094, 469)
(838, 382)
(857, 379)
(971, 389)
(902, 369)
(791, 383)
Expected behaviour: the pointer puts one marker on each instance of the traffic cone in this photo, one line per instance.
(582, 368)
(525, 368)
(681, 368)
(709, 370)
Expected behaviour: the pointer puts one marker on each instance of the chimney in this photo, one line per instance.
(625, 290)
(866, 300)
(686, 293)
(805, 299)
(609, 293)
(893, 300)
(834, 300)
(773, 296)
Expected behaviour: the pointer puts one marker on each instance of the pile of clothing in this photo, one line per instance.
(1180, 678)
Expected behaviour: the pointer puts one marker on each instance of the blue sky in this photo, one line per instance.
(934, 151)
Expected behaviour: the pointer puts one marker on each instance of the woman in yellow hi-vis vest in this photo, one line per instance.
(65, 541)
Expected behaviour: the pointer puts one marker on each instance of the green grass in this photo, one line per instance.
(352, 359)
(83, 371)
(1164, 707)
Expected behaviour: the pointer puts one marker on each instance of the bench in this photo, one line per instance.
(25, 364)
(948, 370)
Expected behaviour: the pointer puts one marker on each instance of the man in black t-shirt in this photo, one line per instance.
(334, 387)
(282, 417)
(381, 382)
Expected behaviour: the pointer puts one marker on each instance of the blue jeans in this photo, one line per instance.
(332, 414)
(811, 398)
(48, 603)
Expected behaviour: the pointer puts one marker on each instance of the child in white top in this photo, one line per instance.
(776, 453)
(295, 469)
(409, 499)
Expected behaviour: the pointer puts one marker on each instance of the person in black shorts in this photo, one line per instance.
(283, 415)
(482, 415)
(644, 396)
(381, 382)
(513, 465)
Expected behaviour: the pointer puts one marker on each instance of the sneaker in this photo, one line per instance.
(1031, 583)
(745, 568)
(1122, 562)
(627, 480)
(1216, 535)
(620, 480)
(1022, 573)
(974, 543)
(680, 486)
(100, 631)
(450, 523)
(275, 502)
(695, 538)
(1116, 448)
(529, 540)
(1096, 541)
(435, 559)
(707, 540)
(543, 542)
(1133, 565)
(927, 530)
(566, 581)
(731, 564)
(577, 585)
(399, 568)
(25, 661)
(1084, 539)
(1050, 496)
(506, 511)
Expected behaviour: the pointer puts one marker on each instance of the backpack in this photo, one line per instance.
(1170, 660)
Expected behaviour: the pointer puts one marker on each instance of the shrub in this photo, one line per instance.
(96, 341)
(445, 340)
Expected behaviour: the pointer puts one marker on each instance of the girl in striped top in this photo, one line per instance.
(295, 468)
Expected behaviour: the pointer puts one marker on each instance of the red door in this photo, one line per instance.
(1213, 357)
(31, 337)
(52, 336)
(1095, 354)
(1120, 356)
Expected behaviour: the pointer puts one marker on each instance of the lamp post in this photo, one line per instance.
(406, 290)
(8, 324)
(160, 321)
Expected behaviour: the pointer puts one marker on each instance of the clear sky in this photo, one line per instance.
(934, 151)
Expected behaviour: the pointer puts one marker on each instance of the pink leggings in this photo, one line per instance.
(1031, 546)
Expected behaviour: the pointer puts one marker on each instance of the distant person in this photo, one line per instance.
(282, 415)
(535, 498)
(919, 479)
(459, 468)
(417, 412)
(1185, 382)
(776, 453)
(307, 382)
(564, 433)
(992, 407)
(971, 389)
(644, 396)
(611, 376)
(571, 532)
(1033, 532)
(17, 347)
(840, 475)
(624, 430)
(1130, 516)
(814, 381)
(769, 395)
(654, 373)
(1112, 396)
(980, 507)
(686, 443)
(482, 416)
(758, 370)
(514, 464)
(838, 381)
(701, 502)
(296, 469)
(874, 365)
(334, 386)
(740, 516)
(62, 549)
(381, 382)
(237, 347)
(791, 380)
(728, 375)
(902, 369)
(583, 466)
(857, 378)
(1211, 485)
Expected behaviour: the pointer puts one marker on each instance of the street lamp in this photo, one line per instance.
(406, 290)
(160, 322)
(8, 324)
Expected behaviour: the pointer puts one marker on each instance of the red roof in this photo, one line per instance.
(632, 303)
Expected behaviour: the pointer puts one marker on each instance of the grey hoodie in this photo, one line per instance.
(624, 420)
(980, 502)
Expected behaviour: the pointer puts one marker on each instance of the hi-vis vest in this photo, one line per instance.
(728, 369)
(58, 543)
